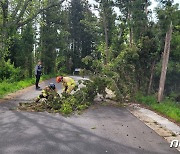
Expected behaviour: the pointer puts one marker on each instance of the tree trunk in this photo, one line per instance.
(106, 38)
(130, 26)
(165, 60)
(151, 78)
(146, 7)
(3, 49)
(131, 36)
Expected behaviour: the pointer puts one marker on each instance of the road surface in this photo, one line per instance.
(99, 130)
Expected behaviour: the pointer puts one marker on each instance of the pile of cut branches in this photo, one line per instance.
(66, 104)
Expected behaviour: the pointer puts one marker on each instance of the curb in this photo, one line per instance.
(162, 126)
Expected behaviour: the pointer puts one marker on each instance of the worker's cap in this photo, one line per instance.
(59, 79)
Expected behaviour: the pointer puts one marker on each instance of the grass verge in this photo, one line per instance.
(7, 87)
(167, 108)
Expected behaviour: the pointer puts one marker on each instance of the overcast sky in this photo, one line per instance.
(153, 5)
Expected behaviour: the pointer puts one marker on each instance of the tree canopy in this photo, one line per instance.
(127, 47)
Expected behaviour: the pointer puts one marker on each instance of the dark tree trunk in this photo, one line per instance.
(130, 26)
(106, 38)
(151, 78)
(4, 6)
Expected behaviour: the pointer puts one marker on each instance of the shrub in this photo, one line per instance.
(8, 71)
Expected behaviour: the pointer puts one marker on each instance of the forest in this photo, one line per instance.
(137, 48)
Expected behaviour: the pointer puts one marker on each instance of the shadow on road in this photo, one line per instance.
(25, 132)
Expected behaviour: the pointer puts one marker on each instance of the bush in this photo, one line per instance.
(174, 96)
(8, 71)
(145, 99)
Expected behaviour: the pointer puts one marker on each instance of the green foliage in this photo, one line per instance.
(174, 96)
(139, 18)
(92, 64)
(145, 99)
(101, 82)
(122, 72)
(48, 39)
(7, 87)
(11, 85)
(119, 75)
(83, 31)
(72, 36)
(167, 13)
(107, 18)
(8, 71)
(66, 108)
(66, 103)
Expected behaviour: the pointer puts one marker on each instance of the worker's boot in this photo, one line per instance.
(37, 100)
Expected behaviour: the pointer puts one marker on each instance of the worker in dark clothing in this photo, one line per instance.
(38, 72)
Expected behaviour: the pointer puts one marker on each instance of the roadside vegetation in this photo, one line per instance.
(168, 107)
(9, 86)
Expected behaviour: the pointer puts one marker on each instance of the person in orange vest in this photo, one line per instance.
(67, 82)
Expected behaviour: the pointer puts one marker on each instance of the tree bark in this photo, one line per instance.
(130, 26)
(146, 7)
(165, 60)
(151, 78)
(4, 6)
(131, 36)
(106, 38)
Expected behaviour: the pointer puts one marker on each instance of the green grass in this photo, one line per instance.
(168, 107)
(7, 87)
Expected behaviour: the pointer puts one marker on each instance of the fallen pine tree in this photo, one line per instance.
(68, 103)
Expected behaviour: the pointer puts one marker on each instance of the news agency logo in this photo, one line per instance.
(175, 143)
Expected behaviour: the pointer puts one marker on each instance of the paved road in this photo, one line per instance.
(99, 130)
